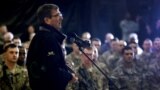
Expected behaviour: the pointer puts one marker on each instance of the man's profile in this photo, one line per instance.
(45, 61)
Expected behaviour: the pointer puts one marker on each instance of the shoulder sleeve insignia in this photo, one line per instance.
(51, 53)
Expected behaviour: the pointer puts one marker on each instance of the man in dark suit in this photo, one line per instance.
(45, 61)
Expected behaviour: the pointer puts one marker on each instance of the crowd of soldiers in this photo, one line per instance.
(124, 65)
(13, 72)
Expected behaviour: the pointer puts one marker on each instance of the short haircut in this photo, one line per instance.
(132, 42)
(9, 46)
(126, 48)
(115, 39)
(16, 37)
(89, 48)
(45, 11)
(149, 40)
(2, 24)
(95, 39)
(21, 47)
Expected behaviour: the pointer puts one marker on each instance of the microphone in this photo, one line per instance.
(76, 39)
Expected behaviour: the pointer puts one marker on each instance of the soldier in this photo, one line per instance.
(73, 59)
(111, 57)
(147, 55)
(12, 76)
(126, 75)
(89, 77)
(22, 56)
(154, 67)
(145, 59)
(97, 43)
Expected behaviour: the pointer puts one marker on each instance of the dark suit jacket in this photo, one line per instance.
(45, 61)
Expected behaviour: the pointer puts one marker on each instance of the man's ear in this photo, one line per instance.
(47, 20)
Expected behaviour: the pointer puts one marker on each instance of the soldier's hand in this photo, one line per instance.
(74, 78)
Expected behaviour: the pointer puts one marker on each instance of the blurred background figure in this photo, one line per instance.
(157, 30)
(111, 56)
(97, 43)
(8, 37)
(28, 35)
(3, 31)
(86, 36)
(121, 45)
(106, 45)
(22, 56)
(147, 46)
(145, 59)
(17, 41)
(128, 26)
(133, 38)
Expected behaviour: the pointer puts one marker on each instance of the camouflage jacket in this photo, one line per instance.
(17, 81)
(90, 79)
(154, 74)
(127, 78)
(73, 61)
(109, 58)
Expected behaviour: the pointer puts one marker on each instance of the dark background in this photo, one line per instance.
(96, 16)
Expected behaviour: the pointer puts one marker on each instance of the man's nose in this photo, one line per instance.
(61, 17)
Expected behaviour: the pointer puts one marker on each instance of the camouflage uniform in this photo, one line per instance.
(154, 74)
(73, 61)
(103, 67)
(90, 79)
(110, 59)
(144, 62)
(17, 81)
(127, 78)
(145, 59)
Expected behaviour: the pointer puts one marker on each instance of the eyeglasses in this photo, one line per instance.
(58, 14)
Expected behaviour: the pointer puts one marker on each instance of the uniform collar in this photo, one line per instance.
(59, 35)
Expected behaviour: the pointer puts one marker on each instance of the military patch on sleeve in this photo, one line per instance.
(51, 53)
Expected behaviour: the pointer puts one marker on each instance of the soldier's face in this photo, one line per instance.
(3, 29)
(134, 47)
(97, 44)
(147, 45)
(75, 47)
(17, 42)
(128, 55)
(121, 45)
(22, 54)
(157, 45)
(11, 55)
(114, 45)
(90, 54)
